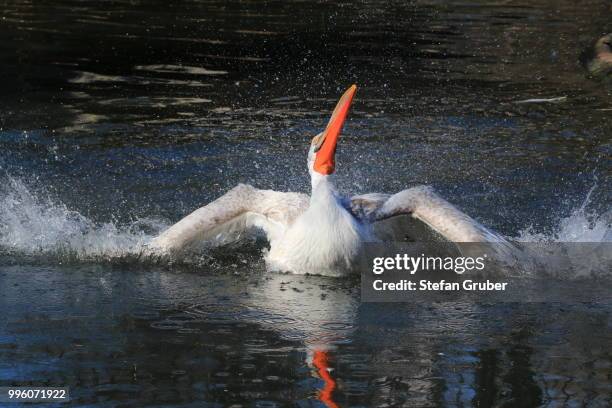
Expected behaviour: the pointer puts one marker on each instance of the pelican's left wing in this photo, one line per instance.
(423, 204)
(236, 211)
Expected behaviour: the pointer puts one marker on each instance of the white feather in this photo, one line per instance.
(326, 239)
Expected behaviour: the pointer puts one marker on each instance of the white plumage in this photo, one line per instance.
(325, 239)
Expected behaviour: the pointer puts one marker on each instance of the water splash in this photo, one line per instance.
(578, 247)
(580, 226)
(35, 226)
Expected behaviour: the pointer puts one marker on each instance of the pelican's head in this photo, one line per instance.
(323, 147)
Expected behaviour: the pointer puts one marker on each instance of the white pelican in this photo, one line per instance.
(323, 233)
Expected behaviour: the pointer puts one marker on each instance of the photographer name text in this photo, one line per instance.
(441, 285)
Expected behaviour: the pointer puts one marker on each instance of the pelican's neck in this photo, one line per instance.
(321, 183)
(324, 198)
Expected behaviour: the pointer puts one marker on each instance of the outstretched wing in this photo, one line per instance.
(240, 209)
(424, 205)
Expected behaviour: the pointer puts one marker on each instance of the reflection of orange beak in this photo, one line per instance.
(320, 361)
(324, 160)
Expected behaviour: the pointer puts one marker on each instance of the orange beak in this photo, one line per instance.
(324, 160)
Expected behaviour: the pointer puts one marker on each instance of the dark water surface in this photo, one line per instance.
(118, 118)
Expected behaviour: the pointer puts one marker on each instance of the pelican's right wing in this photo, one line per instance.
(240, 209)
(423, 204)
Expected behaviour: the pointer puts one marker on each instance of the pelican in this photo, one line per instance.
(322, 233)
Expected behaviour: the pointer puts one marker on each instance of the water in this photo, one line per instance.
(118, 119)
